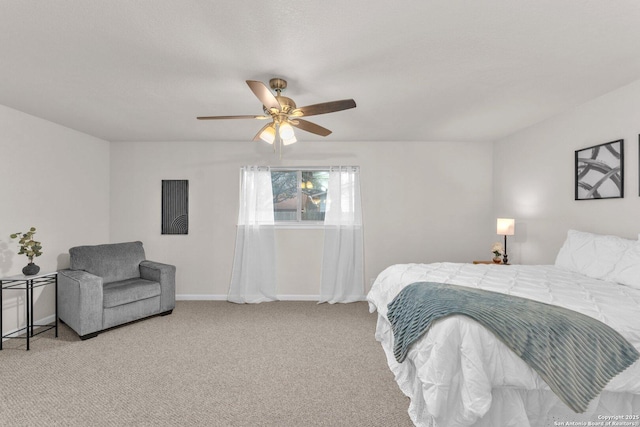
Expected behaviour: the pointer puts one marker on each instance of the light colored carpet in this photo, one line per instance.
(210, 363)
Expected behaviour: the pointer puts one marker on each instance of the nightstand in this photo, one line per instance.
(489, 262)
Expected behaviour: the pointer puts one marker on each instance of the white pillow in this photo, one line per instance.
(594, 255)
(627, 270)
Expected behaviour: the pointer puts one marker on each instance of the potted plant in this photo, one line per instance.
(497, 252)
(30, 248)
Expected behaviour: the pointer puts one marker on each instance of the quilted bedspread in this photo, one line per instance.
(575, 354)
(461, 374)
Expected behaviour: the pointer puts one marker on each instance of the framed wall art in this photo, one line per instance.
(600, 171)
(175, 206)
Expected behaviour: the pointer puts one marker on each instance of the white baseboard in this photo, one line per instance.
(196, 297)
(298, 297)
(207, 297)
(43, 321)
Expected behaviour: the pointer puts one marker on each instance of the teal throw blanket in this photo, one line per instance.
(574, 354)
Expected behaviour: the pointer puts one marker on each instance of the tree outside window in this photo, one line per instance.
(299, 196)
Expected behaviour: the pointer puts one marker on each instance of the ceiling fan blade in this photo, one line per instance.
(232, 117)
(327, 107)
(310, 127)
(263, 93)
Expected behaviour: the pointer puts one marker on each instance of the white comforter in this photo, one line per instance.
(459, 374)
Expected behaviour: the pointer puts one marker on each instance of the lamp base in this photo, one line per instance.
(505, 259)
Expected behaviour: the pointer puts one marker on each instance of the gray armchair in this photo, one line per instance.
(109, 285)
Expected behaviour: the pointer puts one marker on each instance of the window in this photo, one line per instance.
(299, 195)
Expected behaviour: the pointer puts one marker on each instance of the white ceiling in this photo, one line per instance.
(436, 70)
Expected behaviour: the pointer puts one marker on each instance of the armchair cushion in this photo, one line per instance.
(113, 262)
(130, 290)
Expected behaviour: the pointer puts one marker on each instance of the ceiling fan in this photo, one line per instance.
(284, 113)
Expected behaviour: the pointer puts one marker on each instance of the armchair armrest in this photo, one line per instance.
(80, 301)
(164, 274)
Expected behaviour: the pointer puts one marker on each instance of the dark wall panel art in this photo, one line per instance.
(600, 171)
(175, 206)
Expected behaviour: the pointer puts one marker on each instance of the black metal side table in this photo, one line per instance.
(28, 284)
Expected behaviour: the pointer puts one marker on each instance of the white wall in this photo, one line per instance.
(57, 180)
(534, 176)
(422, 202)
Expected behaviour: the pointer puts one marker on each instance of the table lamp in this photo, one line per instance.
(505, 227)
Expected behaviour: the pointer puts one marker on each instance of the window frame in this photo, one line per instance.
(299, 223)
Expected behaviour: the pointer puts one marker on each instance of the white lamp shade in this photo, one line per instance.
(268, 135)
(286, 132)
(506, 226)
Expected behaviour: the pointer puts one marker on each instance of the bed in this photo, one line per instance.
(459, 374)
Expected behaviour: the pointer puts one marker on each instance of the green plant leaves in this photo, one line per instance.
(28, 246)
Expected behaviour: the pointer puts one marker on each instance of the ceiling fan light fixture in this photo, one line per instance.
(284, 114)
(268, 135)
(286, 131)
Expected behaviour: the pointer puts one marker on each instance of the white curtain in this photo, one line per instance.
(343, 260)
(253, 278)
